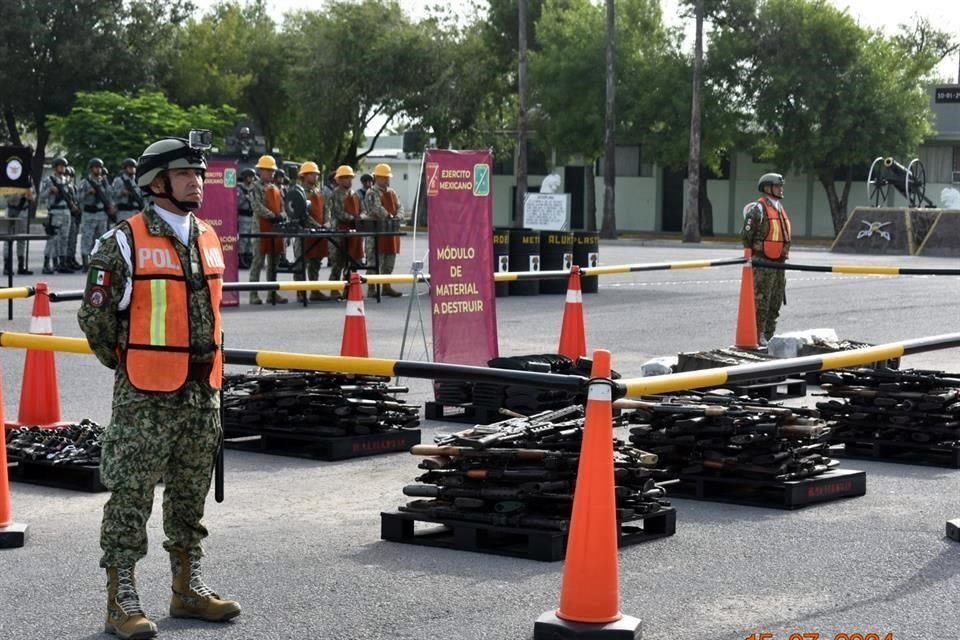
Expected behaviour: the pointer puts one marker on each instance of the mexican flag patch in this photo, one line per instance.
(99, 277)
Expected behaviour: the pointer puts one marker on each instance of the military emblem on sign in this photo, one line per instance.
(874, 228)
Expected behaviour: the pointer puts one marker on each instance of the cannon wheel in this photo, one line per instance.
(918, 194)
(877, 186)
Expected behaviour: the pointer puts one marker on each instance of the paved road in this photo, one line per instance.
(297, 542)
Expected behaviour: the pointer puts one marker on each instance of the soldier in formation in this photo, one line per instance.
(343, 208)
(97, 207)
(126, 195)
(766, 231)
(245, 217)
(58, 195)
(166, 419)
(305, 206)
(267, 203)
(382, 204)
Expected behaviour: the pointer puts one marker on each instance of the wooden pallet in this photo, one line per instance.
(533, 544)
(901, 452)
(305, 445)
(793, 494)
(461, 413)
(62, 476)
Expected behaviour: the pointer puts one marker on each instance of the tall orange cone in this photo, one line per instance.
(590, 595)
(747, 314)
(12, 534)
(573, 341)
(355, 324)
(39, 393)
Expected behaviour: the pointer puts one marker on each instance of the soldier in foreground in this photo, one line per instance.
(766, 230)
(161, 266)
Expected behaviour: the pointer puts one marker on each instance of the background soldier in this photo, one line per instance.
(18, 217)
(305, 205)
(366, 181)
(166, 419)
(343, 208)
(125, 193)
(766, 230)
(59, 198)
(97, 208)
(267, 203)
(74, 221)
(245, 217)
(381, 203)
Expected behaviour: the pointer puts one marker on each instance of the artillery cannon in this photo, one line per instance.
(909, 181)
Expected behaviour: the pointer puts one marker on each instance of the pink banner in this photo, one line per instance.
(460, 236)
(220, 211)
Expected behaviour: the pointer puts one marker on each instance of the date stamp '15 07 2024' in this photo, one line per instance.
(814, 635)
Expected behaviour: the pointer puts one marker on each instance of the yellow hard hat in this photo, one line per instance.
(309, 167)
(267, 162)
(382, 171)
(344, 171)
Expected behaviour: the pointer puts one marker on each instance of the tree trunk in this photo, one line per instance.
(590, 195)
(691, 219)
(706, 207)
(609, 227)
(10, 120)
(521, 172)
(838, 203)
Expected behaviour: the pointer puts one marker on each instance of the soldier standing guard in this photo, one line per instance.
(267, 203)
(161, 266)
(97, 207)
(18, 215)
(343, 208)
(305, 207)
(381, 203)
(245, 217)
(74, 238)
(59, 198)
(766, 230)
(125, 192)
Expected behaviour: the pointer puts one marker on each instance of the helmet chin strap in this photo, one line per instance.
(167, 194)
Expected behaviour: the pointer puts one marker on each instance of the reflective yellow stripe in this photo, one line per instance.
(878, 270)
(158, 312)
(775, 231)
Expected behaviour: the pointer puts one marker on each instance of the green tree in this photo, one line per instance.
(234, 54)
(51, 50)
(112, 126)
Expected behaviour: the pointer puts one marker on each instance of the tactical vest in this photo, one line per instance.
(158, 349)
(316, 249)
(776, 243)
(272, 200)
(391, 244)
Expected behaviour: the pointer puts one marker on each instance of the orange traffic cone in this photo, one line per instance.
(355, 324)
(747, 314)
(12, 534)
(590, 595)
(573, 342)
(39, 393)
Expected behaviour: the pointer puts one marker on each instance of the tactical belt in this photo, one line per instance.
(58, 207)
(126, 207)
(245, 213)
(88, 209)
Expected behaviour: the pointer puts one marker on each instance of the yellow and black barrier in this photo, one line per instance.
(16, 292)
(859, 269)
(654, 385)
(629, 387)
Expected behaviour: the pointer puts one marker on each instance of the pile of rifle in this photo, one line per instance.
(911, 406)
(323, 404)
(731, 437)
(521, 472)
(519, 398)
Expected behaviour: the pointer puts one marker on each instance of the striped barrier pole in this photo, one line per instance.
(859, 269)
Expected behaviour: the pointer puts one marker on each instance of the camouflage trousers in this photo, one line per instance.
(245, 225)
(92, 226)
(58, 244)
(769, 287)
(71, 251)
(16, 223)
(387, 260)
(144, 443)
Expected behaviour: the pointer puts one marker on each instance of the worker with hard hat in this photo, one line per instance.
(267, 203)
(382, 204)
(305, 206)
(343, 209)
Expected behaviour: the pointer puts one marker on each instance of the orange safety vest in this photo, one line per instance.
(390, 244)
(776, 242)
(158, 350)
(316, 249)
(354, 246)
(273, 200)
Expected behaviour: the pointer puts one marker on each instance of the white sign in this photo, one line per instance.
(547, 211)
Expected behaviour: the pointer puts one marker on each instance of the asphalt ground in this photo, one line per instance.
(297, 542)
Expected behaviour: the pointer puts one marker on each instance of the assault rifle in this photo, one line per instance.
(136, 197)
(101, 196)
(511, 430)
(66, 195)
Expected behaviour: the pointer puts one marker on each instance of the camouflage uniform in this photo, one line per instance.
(152, 435)
(769, 285)
(245, 221)
(372, 208)
(18, 211)
(58, 217)
(74, 237)
(337, 213)
(124, 193)
(257, 202)
(93, 220)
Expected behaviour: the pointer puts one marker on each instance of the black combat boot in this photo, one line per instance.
(47, 269)
(7, 266)
(22, 268)
(64, 266)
